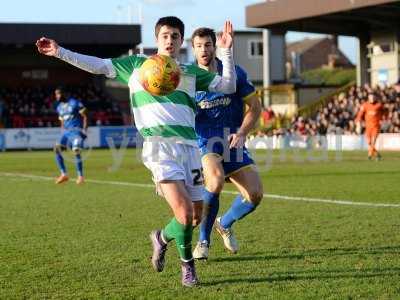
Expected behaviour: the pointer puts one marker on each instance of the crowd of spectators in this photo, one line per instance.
(338, 115)
(36, 107)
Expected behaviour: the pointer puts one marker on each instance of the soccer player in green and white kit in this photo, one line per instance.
(170, 149)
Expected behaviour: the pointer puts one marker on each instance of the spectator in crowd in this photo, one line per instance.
(267, 116)
(34, 107)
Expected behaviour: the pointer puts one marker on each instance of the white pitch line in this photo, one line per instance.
(272, 196)
(306, 199)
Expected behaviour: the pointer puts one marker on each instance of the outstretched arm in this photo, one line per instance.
(87, 63)
(227, 83)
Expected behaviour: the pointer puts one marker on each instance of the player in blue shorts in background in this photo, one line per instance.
(222, 127)
(73, 118)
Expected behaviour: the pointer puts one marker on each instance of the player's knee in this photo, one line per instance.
(197, 213)
(196, 220)
(76, 151)
(57, 149)
(255, 195)
(215, 184)
(187, 219)
(185, 216)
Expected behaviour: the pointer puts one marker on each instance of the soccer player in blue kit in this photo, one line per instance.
(222, 127)
(73, 119)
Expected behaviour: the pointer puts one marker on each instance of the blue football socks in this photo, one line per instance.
(211, 207)
(60, 163)
(79, 164)
(238, 210)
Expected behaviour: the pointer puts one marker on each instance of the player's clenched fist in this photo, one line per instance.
(47, 46)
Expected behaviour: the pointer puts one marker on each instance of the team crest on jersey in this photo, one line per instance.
(66, 108)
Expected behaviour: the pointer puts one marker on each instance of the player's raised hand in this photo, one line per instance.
(225, 39)
(47, 46)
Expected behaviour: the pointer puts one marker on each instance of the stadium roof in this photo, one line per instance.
(82, 34)
(97, 39)
(343, 17)
(248, 31)
(77, 34)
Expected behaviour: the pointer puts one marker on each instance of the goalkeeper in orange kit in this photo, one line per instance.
(371, 112)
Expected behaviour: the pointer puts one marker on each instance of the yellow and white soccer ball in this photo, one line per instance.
(159, 75)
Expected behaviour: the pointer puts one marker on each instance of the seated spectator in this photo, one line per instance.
(267, 116)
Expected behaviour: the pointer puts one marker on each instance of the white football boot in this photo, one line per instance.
(201, 250)
(230, 242)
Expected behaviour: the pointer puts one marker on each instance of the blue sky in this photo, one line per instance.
(193, 13)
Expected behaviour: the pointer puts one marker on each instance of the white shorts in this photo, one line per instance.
(175, 161)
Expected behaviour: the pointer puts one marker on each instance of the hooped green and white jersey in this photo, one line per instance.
(170, 116)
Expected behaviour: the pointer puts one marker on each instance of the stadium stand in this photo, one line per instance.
(28, 79)
(337, 116)
(35, 106)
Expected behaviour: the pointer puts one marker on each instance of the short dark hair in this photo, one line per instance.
(203, 32)
(170, 21)
(60, 89)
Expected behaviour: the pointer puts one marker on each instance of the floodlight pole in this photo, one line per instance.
(266, 36)
(140, 15)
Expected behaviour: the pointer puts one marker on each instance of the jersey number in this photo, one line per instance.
(197, 176)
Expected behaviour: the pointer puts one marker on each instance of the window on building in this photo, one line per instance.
(377, 49)
(255, 48)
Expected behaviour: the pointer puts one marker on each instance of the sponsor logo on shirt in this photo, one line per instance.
(223, 101)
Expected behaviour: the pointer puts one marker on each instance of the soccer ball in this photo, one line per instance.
(159, 75)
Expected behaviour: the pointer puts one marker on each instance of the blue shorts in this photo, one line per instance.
(232, 160)
(72, 139)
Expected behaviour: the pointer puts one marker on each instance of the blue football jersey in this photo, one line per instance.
(69, 112)
(216, 111)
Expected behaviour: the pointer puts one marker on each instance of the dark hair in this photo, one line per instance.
(60, 88)
(204, 32)
(171, 22)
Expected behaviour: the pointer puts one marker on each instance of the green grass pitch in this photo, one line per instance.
(91, 241)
